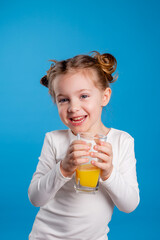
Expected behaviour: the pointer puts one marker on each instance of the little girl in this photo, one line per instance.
(80, 86)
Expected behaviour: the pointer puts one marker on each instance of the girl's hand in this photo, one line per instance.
(105, 155)
(76, 155)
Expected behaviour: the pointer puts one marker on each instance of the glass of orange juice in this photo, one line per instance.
(87, 175)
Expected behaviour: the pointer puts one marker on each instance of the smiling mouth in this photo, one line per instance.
(78, 120)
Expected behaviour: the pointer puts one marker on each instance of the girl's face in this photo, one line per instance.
(80, 102)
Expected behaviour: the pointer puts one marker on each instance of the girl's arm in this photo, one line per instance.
(51, 176)
(47, 179)
(122, 184)
(121, 179)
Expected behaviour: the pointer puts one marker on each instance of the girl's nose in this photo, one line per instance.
(73, 108)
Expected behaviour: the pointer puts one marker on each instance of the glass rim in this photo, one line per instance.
(90, 136)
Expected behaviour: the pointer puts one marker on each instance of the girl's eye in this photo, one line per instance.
(84, 96)
(63, 100)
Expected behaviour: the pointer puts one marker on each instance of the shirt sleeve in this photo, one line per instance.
(47, 179)
(122, 185)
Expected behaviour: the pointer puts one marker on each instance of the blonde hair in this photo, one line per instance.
(103, 64)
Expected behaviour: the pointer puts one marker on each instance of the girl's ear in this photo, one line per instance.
(106, 96)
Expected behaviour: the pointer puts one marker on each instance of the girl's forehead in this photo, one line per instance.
(75, 79)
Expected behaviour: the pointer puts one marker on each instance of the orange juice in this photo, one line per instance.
(87, 175)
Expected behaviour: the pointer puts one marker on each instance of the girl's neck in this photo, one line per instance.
(103, 130)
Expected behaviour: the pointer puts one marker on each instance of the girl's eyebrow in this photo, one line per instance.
(59, 95)
(79, 91)
(83, 90)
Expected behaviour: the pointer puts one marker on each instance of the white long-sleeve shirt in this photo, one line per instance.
(67, 215)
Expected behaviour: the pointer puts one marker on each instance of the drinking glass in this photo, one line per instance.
(87, 175)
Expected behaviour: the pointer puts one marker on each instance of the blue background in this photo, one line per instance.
(32, 32)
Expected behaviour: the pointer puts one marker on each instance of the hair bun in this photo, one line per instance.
(44, 81)
(108, 64)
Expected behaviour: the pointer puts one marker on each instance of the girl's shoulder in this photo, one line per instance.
(59, 140)
(121, 141)
(58, 132)
(61, 136)
(58, 135)
(120, 134)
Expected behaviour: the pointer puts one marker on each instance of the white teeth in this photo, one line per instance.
(77, 118)
(78, 121)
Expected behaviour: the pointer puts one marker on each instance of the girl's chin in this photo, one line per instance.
(75, 131)
(78, 129)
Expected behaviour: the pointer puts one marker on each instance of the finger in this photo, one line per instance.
(78, 147)
(80, 161)
(100, 156)
(102, 143)
(78, 154)
(105, 149)
(100, 165)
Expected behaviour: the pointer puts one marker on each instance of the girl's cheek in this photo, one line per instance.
(60, 107)
(60, 111)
